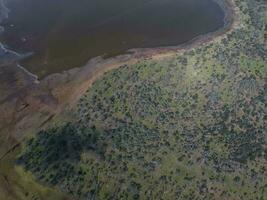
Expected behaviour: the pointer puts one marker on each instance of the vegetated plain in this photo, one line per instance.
(189, 126)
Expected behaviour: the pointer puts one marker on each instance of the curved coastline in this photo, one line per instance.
(58, 93)
(66, 88)
(96, 67)
(139, 53)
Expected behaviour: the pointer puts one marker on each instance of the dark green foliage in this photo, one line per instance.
(56, 151)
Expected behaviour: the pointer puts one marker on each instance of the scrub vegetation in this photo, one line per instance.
(190, 126)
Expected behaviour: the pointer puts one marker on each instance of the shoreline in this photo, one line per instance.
(58, 93)
(72, 84)
(136, 53)
(132, 56)
(231, 20)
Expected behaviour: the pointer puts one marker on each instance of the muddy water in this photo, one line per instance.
(66, 33)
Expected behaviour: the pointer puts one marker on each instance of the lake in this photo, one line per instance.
(66, 33)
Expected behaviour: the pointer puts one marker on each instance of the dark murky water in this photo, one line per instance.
(66, 33)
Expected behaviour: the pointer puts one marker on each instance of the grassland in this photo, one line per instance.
(191, 125)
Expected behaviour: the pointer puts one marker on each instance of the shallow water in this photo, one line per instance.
(66, 33)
